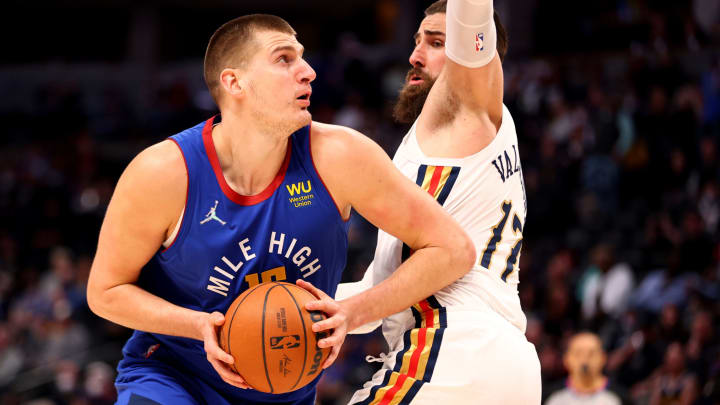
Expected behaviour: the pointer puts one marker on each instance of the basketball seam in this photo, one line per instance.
(267, 375)
(229, 346)
(305, 346)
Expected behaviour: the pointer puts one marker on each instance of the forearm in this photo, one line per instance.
(425, 272)
(131, 306)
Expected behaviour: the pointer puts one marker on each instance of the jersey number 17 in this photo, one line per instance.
(496, 237)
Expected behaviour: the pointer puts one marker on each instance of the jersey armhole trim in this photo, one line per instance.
(176, 231)
(312, 159)
(169, 241)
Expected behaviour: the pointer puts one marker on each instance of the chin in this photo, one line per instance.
(306, 118)
(301, 121)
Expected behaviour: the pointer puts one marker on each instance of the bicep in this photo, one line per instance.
(135, 223)
(395, 204)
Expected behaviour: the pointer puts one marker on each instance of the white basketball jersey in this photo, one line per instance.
(485, 193)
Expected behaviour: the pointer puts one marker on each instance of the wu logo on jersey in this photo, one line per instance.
(210, 216)
(298, 188)
(303, 190)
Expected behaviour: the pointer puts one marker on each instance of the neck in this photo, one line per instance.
(249, 152)
(587, 385)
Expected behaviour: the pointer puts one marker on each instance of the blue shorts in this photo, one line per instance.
(160, 379)
(162, 387)
(156, 388)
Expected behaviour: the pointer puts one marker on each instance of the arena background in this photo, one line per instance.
(617, 108)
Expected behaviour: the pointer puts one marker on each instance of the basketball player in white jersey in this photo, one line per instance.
(465, 344)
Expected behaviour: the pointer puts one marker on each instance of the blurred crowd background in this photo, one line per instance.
(617, 108)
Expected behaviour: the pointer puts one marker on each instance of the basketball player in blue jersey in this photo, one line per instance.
(254, 194)
(465, 343)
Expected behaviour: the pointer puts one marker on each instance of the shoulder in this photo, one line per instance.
(348, 162)
(158, 173)
(164, 159)
(336, 135)
(149, 196)
(335, 143)
(162, 155)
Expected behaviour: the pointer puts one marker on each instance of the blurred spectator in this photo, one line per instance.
(700, 350)
(672, 383)
(11, 357)
(662, 287)
(606, 285)
(586, 384)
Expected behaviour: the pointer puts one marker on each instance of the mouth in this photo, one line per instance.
(415, 80)
(304, 99)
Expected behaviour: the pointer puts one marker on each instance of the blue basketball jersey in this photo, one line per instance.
(228, 242)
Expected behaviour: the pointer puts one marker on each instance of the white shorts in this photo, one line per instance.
(456, 356)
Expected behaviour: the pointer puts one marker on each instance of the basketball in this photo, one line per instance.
(269, 333)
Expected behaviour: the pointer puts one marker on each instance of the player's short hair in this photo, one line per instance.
(440, 6)
(232, 44)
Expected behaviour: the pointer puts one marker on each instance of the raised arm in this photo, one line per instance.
(147, 202)
(472, 80)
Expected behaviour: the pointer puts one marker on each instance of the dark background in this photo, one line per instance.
(617, 108)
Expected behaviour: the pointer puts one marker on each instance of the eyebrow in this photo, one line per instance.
(288, 48)
(428, 33)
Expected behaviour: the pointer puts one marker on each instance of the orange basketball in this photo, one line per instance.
(269, 333)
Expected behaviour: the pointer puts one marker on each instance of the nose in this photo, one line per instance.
(307, 73)
(417, 57)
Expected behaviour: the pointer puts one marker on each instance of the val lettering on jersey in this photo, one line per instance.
(505, 166)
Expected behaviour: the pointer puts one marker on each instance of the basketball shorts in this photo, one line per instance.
(149, 381)
(454, 356)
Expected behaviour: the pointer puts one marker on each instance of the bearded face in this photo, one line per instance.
(412, 96)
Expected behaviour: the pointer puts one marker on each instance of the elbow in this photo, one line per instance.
(94, 299)
(465, 254)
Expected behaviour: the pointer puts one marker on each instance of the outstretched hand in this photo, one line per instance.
(220, 360)
(337, 320)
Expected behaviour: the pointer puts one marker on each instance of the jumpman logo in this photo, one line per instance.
(211, 215)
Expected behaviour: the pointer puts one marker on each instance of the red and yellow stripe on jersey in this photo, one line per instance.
(437, 181)
(414, 364)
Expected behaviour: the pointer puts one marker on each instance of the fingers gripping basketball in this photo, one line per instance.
(269, 333)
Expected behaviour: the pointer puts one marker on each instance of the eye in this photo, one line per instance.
(437, 44)
(284, 59)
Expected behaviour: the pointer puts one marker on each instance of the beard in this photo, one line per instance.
(412, 97)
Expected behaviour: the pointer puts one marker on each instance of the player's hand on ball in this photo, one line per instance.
(220, 360)
(337, 320)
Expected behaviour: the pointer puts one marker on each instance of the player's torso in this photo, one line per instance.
(227, 243)
(485, 193)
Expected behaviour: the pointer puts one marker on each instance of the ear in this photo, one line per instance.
(232, 82)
